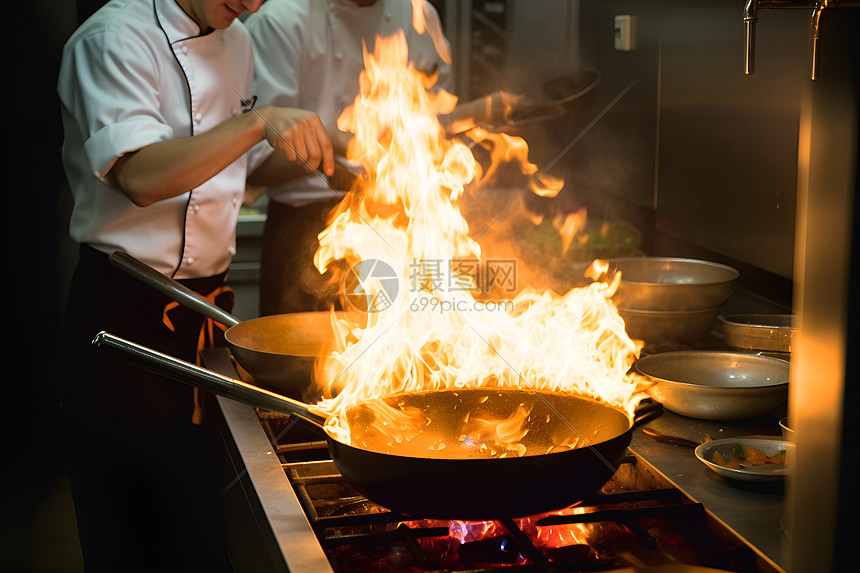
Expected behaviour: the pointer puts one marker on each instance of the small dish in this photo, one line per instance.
(766, 472)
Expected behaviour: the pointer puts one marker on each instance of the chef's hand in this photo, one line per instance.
(493, 109)
(300, 135)
(501, 105)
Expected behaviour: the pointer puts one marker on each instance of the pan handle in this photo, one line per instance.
(193, 375)
(677, 440)
(646, 411)
(169, 287)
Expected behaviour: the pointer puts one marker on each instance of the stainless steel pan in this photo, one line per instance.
(716, 385)
(456, 482)
(278, 352)
(672, 284)
(764, 332)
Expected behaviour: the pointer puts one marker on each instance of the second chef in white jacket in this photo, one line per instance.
(308, 54)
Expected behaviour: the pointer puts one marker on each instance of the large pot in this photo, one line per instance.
(716, 385)
(277, 352)
(448, 483)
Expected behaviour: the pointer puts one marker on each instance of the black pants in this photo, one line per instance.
(289, 281)
(146, 496)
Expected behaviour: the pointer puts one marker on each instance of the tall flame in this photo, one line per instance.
(426, 329)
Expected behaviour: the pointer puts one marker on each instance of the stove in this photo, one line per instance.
(311, 519)
(637, 519)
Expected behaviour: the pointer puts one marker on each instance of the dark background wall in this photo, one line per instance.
(37, 259)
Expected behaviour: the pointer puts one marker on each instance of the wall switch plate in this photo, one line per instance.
(625, 33)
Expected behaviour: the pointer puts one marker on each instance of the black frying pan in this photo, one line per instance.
(569, 94)
(277, 351)
(448, 484)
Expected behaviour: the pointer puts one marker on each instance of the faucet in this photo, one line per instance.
(752, 7)
(750, 19)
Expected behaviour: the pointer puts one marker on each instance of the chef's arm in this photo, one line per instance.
(492, 109)
(170, 168)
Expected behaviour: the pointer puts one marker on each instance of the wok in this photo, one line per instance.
(277, 351)
(452, 487)
(716, 385)
(568, 94)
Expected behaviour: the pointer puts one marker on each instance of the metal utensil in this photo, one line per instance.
(677, 440)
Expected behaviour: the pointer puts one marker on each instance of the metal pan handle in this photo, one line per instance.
(169, 287)
(646, 411)
(677, 440)
(193, 375)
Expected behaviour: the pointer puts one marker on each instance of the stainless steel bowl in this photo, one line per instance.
(675, 325)
(716, 385)
(654, 283)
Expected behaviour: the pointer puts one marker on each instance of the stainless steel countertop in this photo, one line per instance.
(299, 548)
(752, 510)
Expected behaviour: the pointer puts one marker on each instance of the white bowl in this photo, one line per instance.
(767, 472)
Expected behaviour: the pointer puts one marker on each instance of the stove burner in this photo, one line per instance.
(637, 519)
(501, 549)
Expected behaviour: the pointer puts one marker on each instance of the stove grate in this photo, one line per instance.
(636, 520)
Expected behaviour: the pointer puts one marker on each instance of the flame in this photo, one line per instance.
(568, 225)
(552, 536)
(544, 538)
(428, 333)
(421, 23)
(498, 437)
(506, 149)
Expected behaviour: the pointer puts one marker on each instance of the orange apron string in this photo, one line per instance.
(206, 339)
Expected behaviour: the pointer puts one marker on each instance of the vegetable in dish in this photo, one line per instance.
(746, 456)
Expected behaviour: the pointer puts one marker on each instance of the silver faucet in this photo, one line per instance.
(752, 7)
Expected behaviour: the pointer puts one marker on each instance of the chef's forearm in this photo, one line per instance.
(170, 168)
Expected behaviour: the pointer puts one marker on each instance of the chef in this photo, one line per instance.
(308, 54)
(161, 131)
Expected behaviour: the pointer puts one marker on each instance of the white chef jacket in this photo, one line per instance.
(136, 73)
(308, 54)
